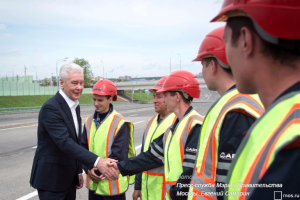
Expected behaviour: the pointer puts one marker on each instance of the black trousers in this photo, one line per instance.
(69, 194)
(93, 196)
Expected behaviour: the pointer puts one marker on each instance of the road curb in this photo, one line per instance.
(17, 125)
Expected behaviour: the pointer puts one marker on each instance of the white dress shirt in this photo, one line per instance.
(73, 104)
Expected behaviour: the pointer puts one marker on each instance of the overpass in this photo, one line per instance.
(146, 84)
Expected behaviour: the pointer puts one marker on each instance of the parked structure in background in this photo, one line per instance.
(125, 78)
(97, 78)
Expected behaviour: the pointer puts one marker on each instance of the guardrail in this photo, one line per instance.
(16, 110)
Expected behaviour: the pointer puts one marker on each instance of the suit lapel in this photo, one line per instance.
(79, 122)
(65, 107)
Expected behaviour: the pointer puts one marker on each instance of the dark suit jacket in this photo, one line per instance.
(55, 163)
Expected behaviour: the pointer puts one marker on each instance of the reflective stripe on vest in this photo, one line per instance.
(174, 144)
(207, 156)
(100, 140)
(277, 128)
(153, 180)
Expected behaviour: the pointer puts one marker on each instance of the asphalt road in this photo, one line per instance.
(17, 146)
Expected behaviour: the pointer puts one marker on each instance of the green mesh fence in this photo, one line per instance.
(26, 88)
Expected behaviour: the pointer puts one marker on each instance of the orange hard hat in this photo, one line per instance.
(182, 80)
(159, 84)
(105, 87)
(271, 18)
(214, 46)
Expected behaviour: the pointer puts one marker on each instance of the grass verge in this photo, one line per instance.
(35, 100)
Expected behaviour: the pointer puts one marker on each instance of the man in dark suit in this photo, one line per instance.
(56, 168)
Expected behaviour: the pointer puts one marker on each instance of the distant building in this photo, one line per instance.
(199, 75)
(98, 78)
(125, 78)
(141, 79)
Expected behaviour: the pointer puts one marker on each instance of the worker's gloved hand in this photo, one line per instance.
(136, 194)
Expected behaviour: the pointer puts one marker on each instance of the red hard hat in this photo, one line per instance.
(278, 18)
(182, 80)
(159, 84)
(105, 87)
(213, 44)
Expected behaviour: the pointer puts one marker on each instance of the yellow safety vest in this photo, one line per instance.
(207, 155)
(278, 127)
(174, 144)
(100, 140)
(153, 181)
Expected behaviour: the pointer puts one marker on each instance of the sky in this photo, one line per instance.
(130, 37)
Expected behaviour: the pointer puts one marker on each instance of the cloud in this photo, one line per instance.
(12, 51)
(2, 26)
(9, 52)
(5, 36)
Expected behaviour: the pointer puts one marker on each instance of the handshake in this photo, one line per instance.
(109, 169)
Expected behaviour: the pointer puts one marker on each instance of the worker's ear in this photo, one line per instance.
(213, 67)
(178, 96)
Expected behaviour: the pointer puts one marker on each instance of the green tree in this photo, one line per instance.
(46, 83)
(54, 83)
(87, 71)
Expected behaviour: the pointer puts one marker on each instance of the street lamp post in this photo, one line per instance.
(6, 75)
(180, 60)
(103, 69)
(58, 61)
(109, 72)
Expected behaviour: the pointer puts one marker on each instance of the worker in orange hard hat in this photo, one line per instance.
(228, 118)
(263, 50)
(176, 149)
(107, 134)
(150, 184)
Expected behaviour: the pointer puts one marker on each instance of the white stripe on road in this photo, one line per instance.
(16, 127)
(28, 196)
(33, 194)
(138, 122)
(132, 115)
(34, 147)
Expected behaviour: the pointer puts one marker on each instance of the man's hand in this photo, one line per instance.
(95, 178)
(114, 166)
(80, 177)
(136, 194)
(108, 172)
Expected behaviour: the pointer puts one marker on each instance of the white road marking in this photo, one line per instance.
(28, 196)
(16, 127)
(138, 147)
(138, 122)
(132, 115)
(34, 147)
